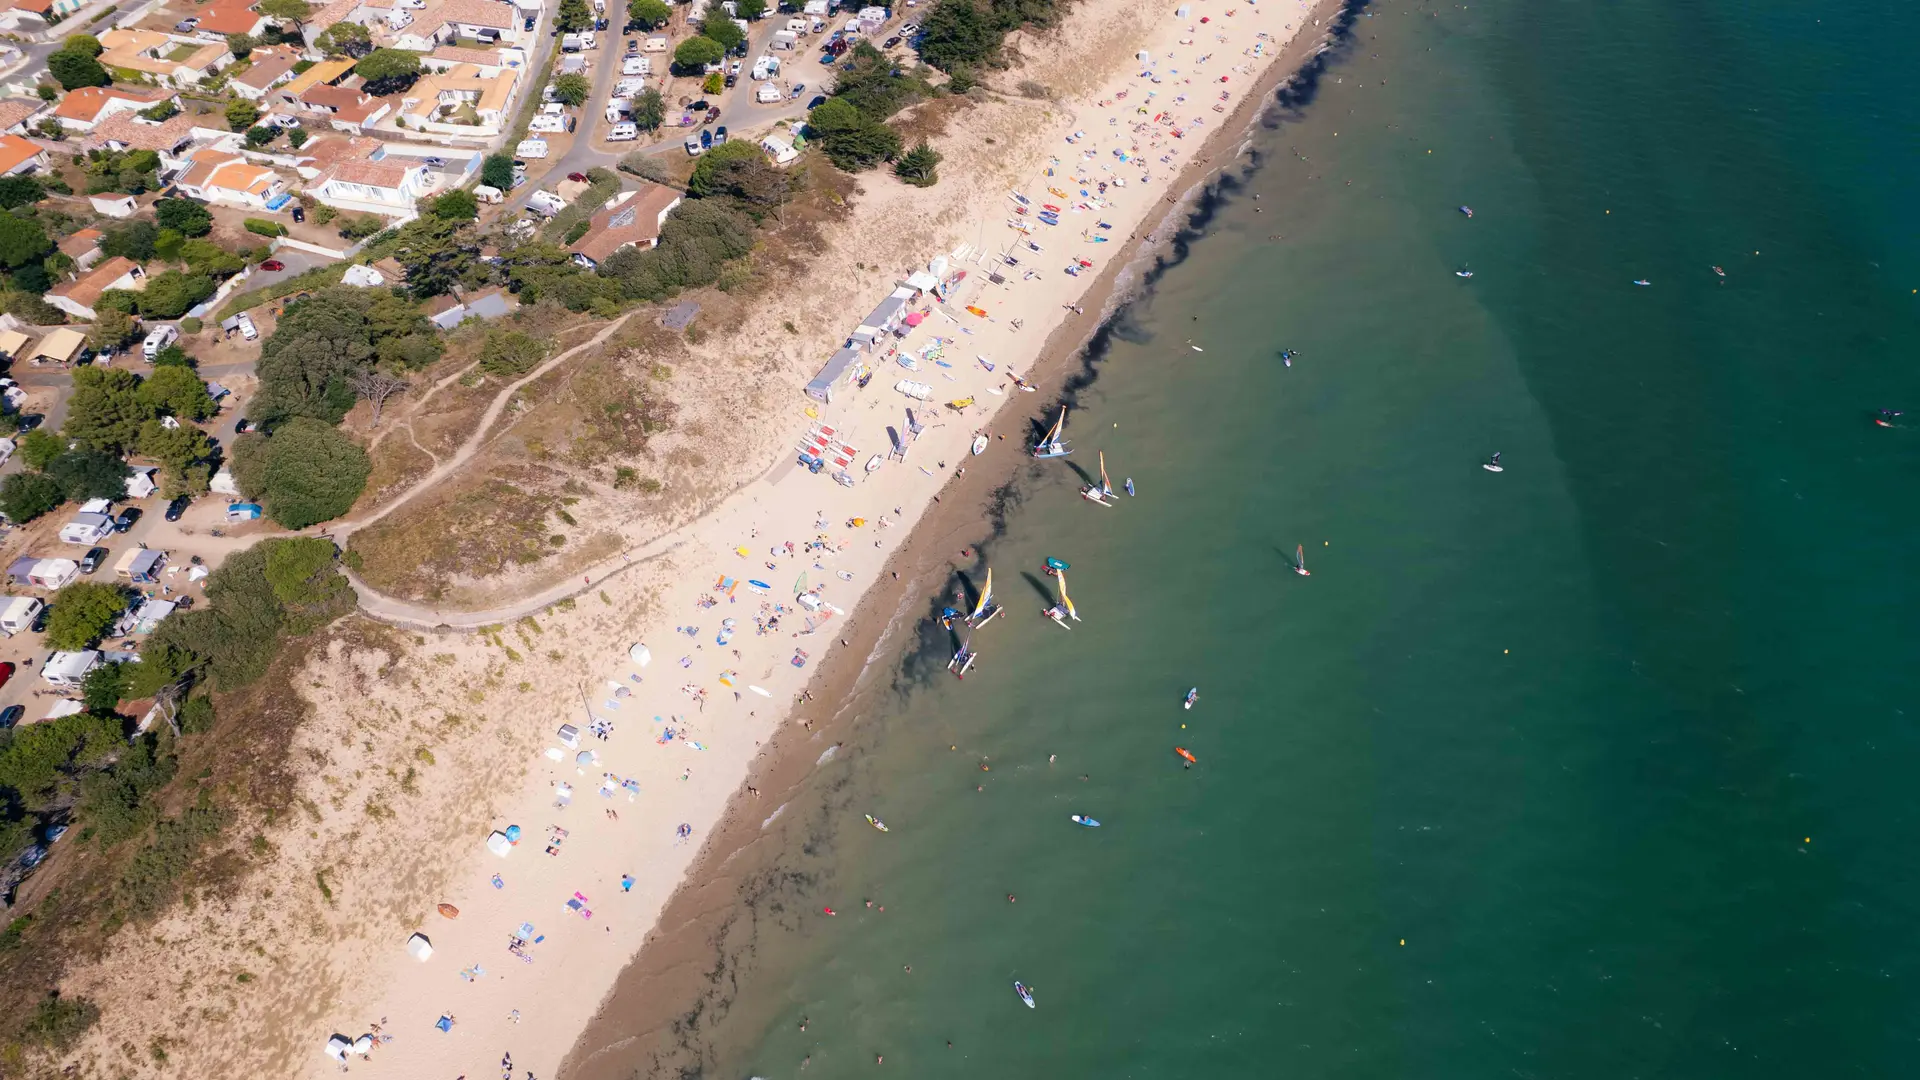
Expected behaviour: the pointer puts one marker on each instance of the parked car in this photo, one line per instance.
(40, 620)
(6, 671)
(577, 177)
(243, 426)
(273, 266)
(633, 46)
(730, 80)
(910, 29)
(600, 24)
(178, 507)
(706, 139)
(93, 559)
(719, 135)
(890, 42)
(712, 115)
(299, 213)
(11, 715)
(694, 148)
(529, 25)
(126, 519)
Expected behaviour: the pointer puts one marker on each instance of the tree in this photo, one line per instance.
(457, 204)
(20, 191)
(130, 239)
(376, 386)
(648, 14)
(497, 172)
(22, 241)
(241, 114)
(300, 570)
(161, 111)
(573, 15)
(852, 141)
(696, 53)
(260, 135)
(39, 447)
(510, 352)
(110, 328)
(184, 216)
(739, 169)
(388, 70)
(919, 165)
(350, 39)
(434, 253)
(173, 356)
(26, 495)
(84, 44)
(74, 70)
(718, 27)
(959, 34)
(572, 89)
(81, 613)
(177, 391)
(88, 473)
(312, 473)
(296, 12)
(209, 258)
(297, 138)
(175, 447)
(171, 294)
(240, 45)
(649, 110)
(305, 364)
(750, 9)
(106, 410)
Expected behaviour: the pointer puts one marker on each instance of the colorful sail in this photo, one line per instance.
(986, 597)
(1066, 600)
(1106, 485)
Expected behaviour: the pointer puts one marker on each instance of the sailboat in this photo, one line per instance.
(963, 658)
(984, 611)
(1053, 445)
(1300, 561)
(1063, 610)
(1098, 494)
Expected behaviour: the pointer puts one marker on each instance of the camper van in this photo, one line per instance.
(623, 132)
(161, 337)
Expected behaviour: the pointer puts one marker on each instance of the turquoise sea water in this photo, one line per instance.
(1600, 767)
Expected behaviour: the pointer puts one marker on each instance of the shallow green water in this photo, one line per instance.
(1616, 742)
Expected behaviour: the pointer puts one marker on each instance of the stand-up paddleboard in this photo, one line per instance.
(1026, 995)
(1081, 819)
(979, 445)
(1492, 464)
(1193, 695)
(876, 823)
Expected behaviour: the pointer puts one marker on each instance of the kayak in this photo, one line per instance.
(976, 311)
(1081, 819)
(876, 823)
(1182, 751)
(1193, 695)
(1026, 994)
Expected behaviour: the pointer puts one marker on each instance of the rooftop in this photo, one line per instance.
(634, 220)
(228, 17)
(13, 112)
(325, 71)
(85, 103)
(96, 281)
(15, 151)
(129, 130)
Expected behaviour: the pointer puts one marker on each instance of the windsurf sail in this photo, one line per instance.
(1065, 599)
(986, 597)
(1053, 446)
(1106, 485)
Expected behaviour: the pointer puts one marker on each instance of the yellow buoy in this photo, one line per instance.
(1403, 941)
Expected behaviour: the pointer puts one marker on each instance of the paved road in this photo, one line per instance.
(296, 262)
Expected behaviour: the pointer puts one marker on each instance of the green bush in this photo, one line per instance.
(190, 325)
(263, 227)
(311, 473)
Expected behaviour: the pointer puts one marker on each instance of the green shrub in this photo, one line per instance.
(263, 227)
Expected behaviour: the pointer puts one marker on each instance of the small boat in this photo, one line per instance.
(1300, 560)
(1467, 210)
(1026, 994)
(1053, 446)
(1054, 565)
(979, 445)
(1081, 819)
(1129, 486)
(873, 463)
(1463, 273)
(963, 659)
(1195, 348)
(1492, 464)
(1641, 281)
(1193, 695)
(976, 311)
(876, 823)
(1190, 759)
(984, 611)
(1063, 610)
(1719, 271)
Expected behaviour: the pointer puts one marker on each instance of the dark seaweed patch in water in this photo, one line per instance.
(777, 897)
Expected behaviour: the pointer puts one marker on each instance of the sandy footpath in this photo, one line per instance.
(542, 933)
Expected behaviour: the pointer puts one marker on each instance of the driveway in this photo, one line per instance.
(296, 262)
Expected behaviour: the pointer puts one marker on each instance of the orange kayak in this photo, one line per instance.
(1182, 751)
(976, 311)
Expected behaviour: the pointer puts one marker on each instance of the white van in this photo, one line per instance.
(161, 337)
(623, 132)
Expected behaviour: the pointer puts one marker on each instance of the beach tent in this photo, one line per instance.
(419, 947)
(363, 1045)
(499, 844)
(570, 736)
(337, 1047)
(583, 758)
(641, 655)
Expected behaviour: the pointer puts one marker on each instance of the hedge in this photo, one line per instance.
(263, 227)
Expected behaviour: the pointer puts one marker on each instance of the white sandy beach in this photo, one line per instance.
(533, 1003)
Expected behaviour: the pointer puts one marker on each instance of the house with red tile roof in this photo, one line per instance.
(20, 156)
(224, 17)
(78, 297)
(630, 219)
(87, 106)
(268, 68)
(219, 177)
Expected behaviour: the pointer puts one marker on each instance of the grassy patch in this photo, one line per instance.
(317, 278)
(475, 533)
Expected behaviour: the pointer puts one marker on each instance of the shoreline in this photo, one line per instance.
(667, 984)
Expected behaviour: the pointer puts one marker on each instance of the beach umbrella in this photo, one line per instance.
(641, 655)
(727, 677)
(584, 757)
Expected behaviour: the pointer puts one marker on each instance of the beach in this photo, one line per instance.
(430, 741)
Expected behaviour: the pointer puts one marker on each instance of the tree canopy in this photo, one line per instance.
(305, 364)
(648, 14)
(572, 89)
(573, 15)
(241, 114)
(388, 70)
(26, 495)
(497, 172)
(718, 27)
(457, 204)
(89, 473)
(106, 410)
(176, 391)
(184, 216)
(81, 613)
(170, 294)
(22, 241)
(73, 70)
(697, 52)
(309, 472)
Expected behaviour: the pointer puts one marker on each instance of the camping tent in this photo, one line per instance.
(419, 947)
(641, 655)
(569, 736)
(498, 843)
(337, 1047)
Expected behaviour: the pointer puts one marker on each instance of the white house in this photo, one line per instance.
(486, 21)
(629, 219)
(78, 297)
(230, 179)
(87, 106)
(20, 156)
(388, 177)
(169, 59)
